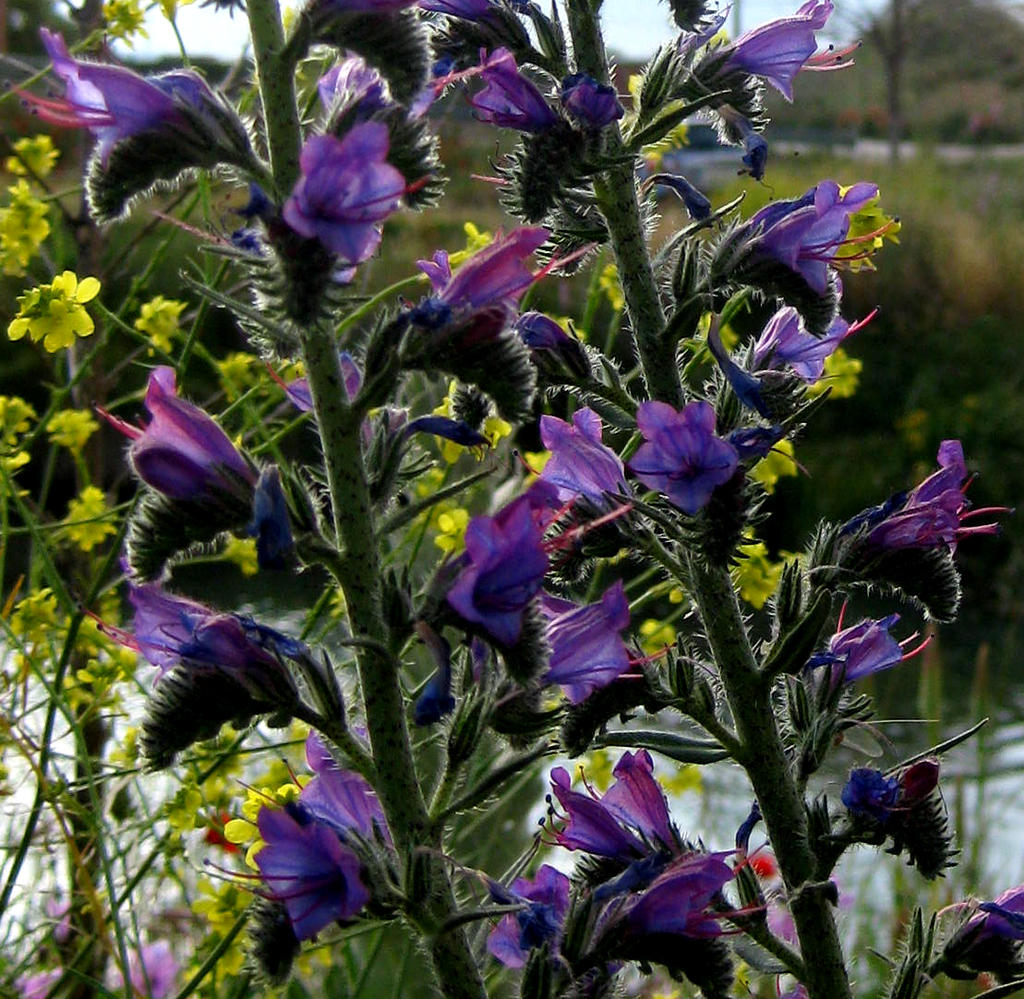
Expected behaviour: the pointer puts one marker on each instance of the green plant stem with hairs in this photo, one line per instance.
(432, 907)
(763, 755)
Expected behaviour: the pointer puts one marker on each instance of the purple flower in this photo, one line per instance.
(594, 105)
(340, 798)
(580, 465)
(786, 341)
(546, 902)
(502, 571)
(862, 650)
(745, 385)
(355, 84)
(678, 902)
(468, 10)
(112, 102)
(509, 99)
(346, 190)
(39, 985)
(806, 233)
(630, 822)
(778, 50)
(1003, 917)
(306, 867)
(682, 457)
(587, 651)
(171, 630)
(496, 274)
(930, 515)
(182, 452)
(869, 794)
(152, 971)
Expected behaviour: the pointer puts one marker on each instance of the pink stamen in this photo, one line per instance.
(861, 323)
(128, 429)
(570, 537)
(842, 615)
(496, 181)
(920, 648)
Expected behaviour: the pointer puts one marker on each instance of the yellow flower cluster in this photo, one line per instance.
(244, 831)
(777, 463)
(755, 574)
(72, 428)
(33, 154)
(842, 376)
(609, 283)
(24, 225)
(125, 20)
(88, 521)
(242, 552)
(158, 319)
(16, 417)
(238, 373)
(55, 313)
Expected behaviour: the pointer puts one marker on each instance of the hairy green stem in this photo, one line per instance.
(359, 570)
(764, 759)
(616, 195)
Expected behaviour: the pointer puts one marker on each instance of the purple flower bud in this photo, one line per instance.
(539, 332)
(869, 794)
(778, 50)
(182, 453)
(594, 105)
(271, 525)
(355, 84)
(509, 99)
(546, 902)
(436, 700)
(346, 190)
(502, 571)
(580, 465)
(745, 385)
(451, 430)
(682, 457)
(805, 234)
(697, 205)
(587, 651)
(340, 799)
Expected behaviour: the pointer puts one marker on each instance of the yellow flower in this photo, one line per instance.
(242, 551)
(34, 154)
(686, 778)
(777, 463)
(597, 769)
(656, 635)
(755, 574)
(24, 225)
(867, 233)
(237, 373)
(158, 319)
(55, 313)
(451, 526)
(71, 428)
(476, 239)
(125, 20)
(88, 524)
(608, 282)
(842, 375)
(15, 417)
(169, 8)
(494, 429)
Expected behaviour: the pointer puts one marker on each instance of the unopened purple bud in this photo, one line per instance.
(353, 83)
(698, 207)
(271, 525)
(594, 105)
(509, 99)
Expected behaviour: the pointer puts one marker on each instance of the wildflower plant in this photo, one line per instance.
(466, 620)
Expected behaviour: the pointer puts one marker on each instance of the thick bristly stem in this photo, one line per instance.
(749, 698)
(616, 195)
(359, 570)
